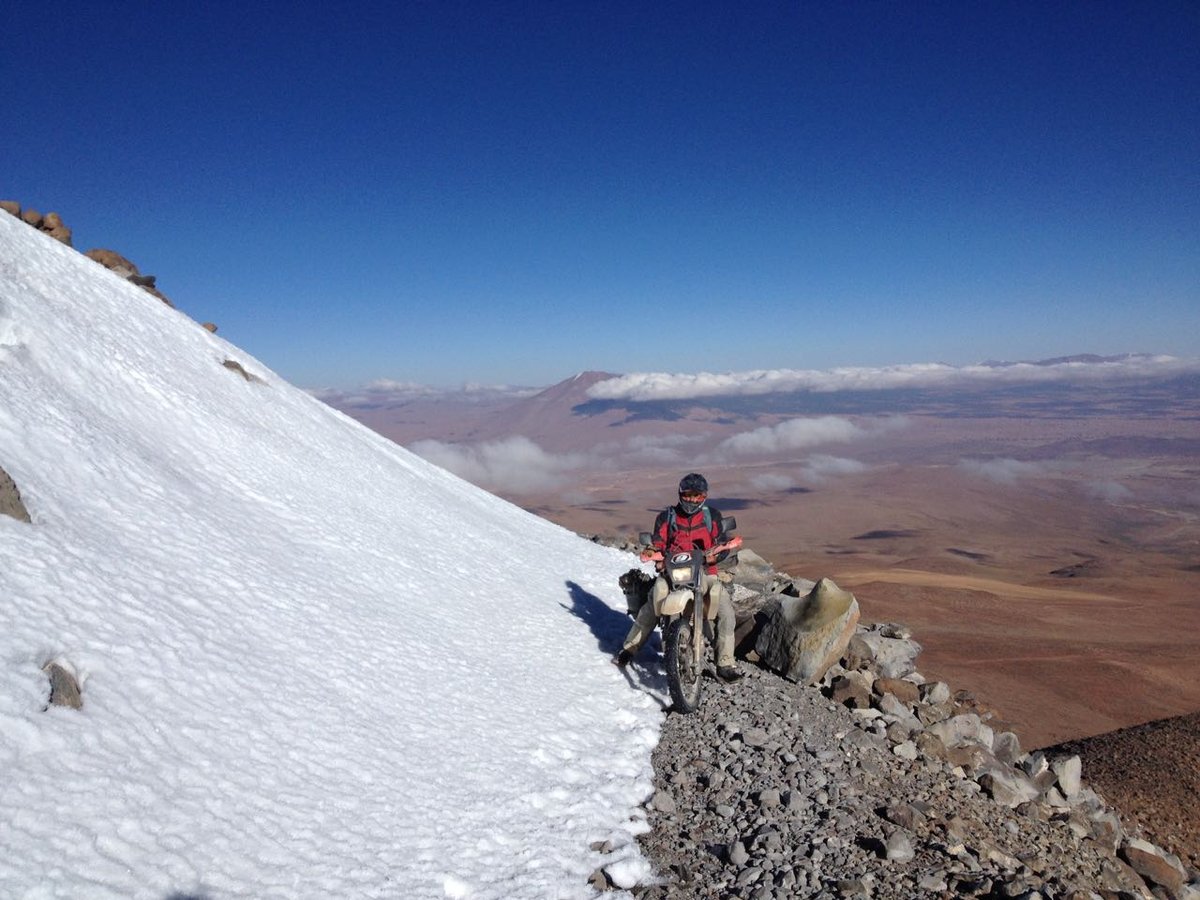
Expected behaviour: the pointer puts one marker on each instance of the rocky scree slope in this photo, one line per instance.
(875, 783)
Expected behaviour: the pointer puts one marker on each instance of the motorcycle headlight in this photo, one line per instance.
(681, 574)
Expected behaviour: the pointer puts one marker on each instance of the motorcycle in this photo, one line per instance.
(682, 620)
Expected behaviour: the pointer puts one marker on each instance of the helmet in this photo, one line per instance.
(693, 491)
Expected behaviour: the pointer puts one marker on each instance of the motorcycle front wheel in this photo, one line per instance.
(683, 675)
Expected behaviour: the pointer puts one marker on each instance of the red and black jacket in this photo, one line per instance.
(675, 531)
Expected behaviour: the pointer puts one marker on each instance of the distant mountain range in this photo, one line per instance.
(1089, 358)
(568, 416)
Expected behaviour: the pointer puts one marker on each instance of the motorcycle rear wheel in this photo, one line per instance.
(683, 675)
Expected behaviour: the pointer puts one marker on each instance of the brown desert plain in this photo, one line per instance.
(1044, 549)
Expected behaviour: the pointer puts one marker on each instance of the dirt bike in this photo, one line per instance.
(681, 619)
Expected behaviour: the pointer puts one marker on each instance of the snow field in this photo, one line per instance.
(313, 665)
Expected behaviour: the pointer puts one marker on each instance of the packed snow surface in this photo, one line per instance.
(313, 664)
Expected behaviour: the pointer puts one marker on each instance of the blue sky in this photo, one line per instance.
(444, 192)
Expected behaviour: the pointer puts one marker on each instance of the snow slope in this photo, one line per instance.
(313, 664)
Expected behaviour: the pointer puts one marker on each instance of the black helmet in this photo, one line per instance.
(693, 491)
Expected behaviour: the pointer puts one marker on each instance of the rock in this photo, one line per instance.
(209, 327)
(906, 750)
(64, 688)
(755, 737)
(599, 880)
(751, 570)
(664, 803)
(1106, 829)
(892, 657)
(53, 226)
(891, 705)
(930, 746)
(852, 689)
(804, 636)
(905, 815)
(935, 692)
(1156, 866)
(31, 217)
(234, 366)
(1007, 748)
(1068, 770)
(10, 499)
(119, 265)
(1007, 787)
(768, 799)
(970, 757)
(937, 713)
(738, 855)
(113, 261)
(853, 887)
(957, 730)
(12, 207)
(904, 691)
(899, 848)
(933, 882)
(900, 731)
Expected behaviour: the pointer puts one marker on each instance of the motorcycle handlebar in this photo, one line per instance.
(652, 555)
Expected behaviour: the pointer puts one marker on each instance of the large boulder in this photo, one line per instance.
(803, 636)
(1155, 865)
(12, 207)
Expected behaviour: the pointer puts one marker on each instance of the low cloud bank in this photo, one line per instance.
(386, 392)
(1109, 491)
(518, 465)
(649, 386)
(817, 469)
(515, 464)
(794, 434)
(1004, 471)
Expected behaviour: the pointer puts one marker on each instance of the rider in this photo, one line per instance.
(688, 525)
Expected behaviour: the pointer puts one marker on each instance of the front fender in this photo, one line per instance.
(675, 602)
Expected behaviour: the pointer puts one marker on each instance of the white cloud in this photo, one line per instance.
(822, 468)
(646, 386)
(514, 464)
(518, 465)
(1109, 491)
(651, 449)
(793, 434)
(769, 482)
(402, 388)
(1003, 471)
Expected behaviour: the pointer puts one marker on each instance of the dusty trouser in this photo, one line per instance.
(718, 601)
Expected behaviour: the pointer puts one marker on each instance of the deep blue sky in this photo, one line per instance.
(511, 192)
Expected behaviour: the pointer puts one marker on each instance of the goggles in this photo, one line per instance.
(692, 496)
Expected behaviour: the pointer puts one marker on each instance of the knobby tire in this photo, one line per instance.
(683, 675)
